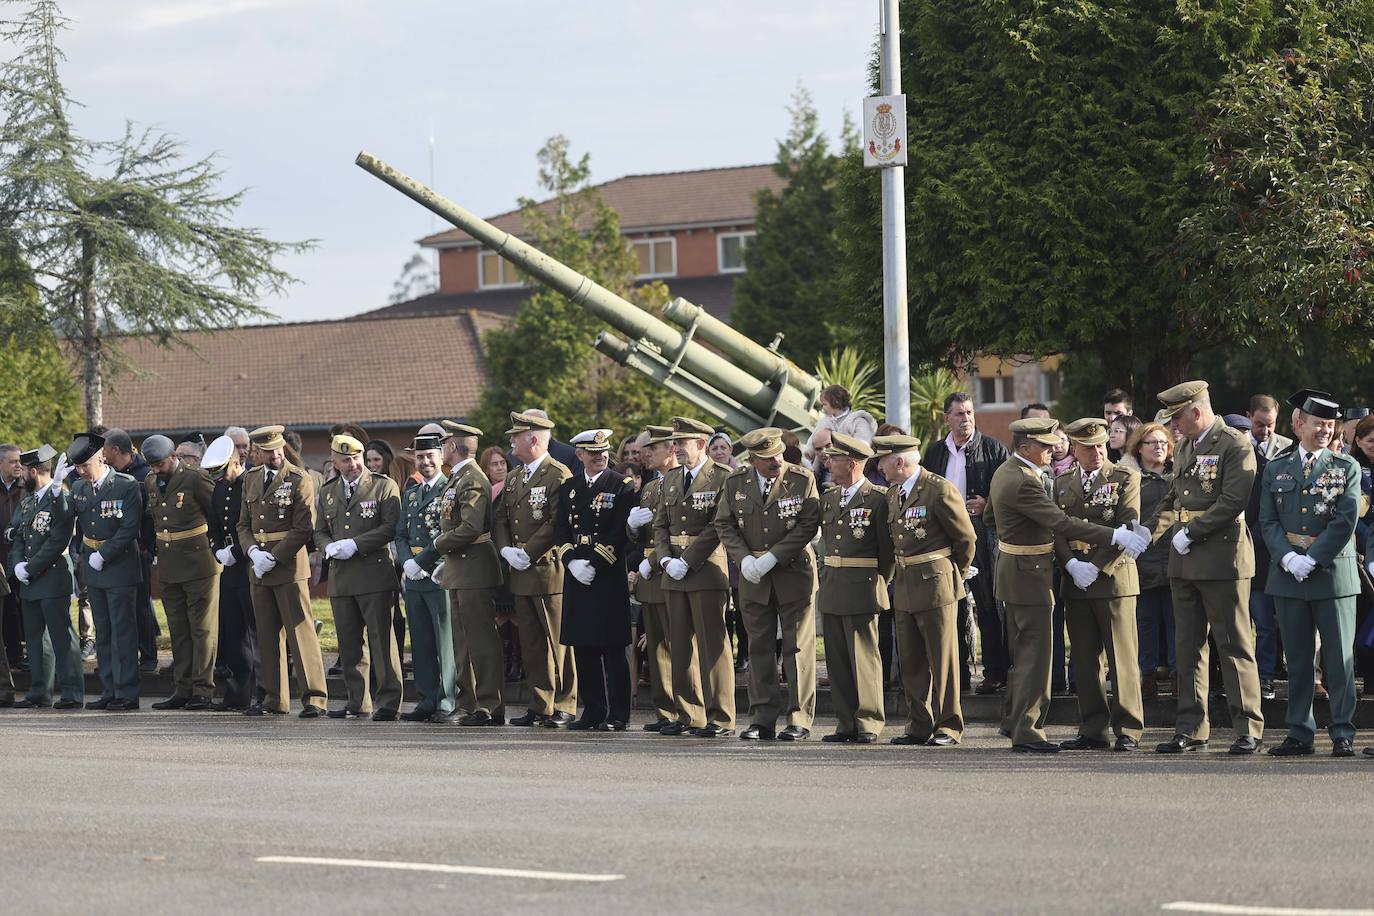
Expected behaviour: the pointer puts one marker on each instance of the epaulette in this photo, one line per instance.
(629, 480)
(726, 467)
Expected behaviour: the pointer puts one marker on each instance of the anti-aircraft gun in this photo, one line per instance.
(745, 385)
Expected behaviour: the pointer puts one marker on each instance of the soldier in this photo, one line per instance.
(1099, 606)
(857, 567)
(1027, 521)
(6, 678)
(238, 633)
(524, 535)
(427, 607)
(1309, 503)
(38, 560)
(109, 508)
(179, 500)
(767, 515)
(656, 455)
(697, 586)
(1210, 568)
(355, 522)
(277, 522)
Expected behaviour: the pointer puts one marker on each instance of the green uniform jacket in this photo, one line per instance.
(931, 519)
(524, 518)
(464, 520)
(1212, 484)
(650, 590)
(1023, 514)
(369, 519)
(287, 510)
(1114, 500)
(42, 530)
(416, 530)
(689, 514)
(111, 515)
(782, 523)
(1320, 512)
(855, 530)
(185, 506)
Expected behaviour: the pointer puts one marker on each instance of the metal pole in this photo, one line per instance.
(896, 352)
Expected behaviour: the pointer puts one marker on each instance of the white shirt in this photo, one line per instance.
(534, 465)
(764, 483)
(692, 474)
(96, 484)
(456, 468)
(909, 483)
(429, 481)
(956, 471)
(591, 480)
(848, 492)
(1034, 467)
(1087, 477)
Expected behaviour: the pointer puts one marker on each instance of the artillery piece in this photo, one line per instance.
(744, 385)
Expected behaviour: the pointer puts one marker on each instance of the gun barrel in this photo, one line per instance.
(751, 357)
(687, 387)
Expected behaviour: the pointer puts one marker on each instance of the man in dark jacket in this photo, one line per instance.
(968, 459)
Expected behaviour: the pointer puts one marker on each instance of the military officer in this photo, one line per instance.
(657, 458)
(237, 650)
(593, 507)
(109, 511)
(427, 606)
(277, 522)
(355, 523)
(38, 560)
(1027, 521)
(1210, 566)
(696, 586)
(1099, 604)
(766, 517)
(6, 678)
(524, 536)
(1309, 503)
(179, 498)
(853, 590)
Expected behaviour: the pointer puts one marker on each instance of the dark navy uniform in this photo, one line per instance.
(237, 659)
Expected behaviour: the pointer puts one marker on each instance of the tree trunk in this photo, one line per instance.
(91, 343)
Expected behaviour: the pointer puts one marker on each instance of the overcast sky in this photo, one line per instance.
(288, 91)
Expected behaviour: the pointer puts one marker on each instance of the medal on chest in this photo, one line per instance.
(446, 503)
(788, 508)
(536, 499)
(1105, 498)
(1205, 469)
(367, 508)
(703, 500)
(42, 521)
(859, 520)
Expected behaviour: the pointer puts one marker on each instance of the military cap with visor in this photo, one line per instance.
(1087, 431)
(36, 456)
(525, 422)
(687, 428)
(763, 443)
(453, 429)
(217, 454)
(842, 446)
(268, 438)
(658, 434)
(894, 445)
(1037, 429)
(157, 448)
(344, 444)
(1315, 403)
(84, 447)
(1178, 397)
(593, 440)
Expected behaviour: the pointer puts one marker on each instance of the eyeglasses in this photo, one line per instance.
(1155, 443)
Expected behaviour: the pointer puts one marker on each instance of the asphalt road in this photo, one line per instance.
(171, 812)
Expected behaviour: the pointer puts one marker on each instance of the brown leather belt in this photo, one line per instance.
(92, 543)
(263, 538)
(852, 562)
(169, 536)
(681, 540)
(920, 558)
(1026, 550)
(1302, 540)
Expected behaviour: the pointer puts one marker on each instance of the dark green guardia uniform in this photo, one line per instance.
(42, 531)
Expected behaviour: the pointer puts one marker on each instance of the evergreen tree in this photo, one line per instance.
(39, 401)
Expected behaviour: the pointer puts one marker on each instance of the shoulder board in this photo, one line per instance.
(799, 471)
(629, 480)
(736, 472)
(879, 487)
(724, 467)
(1235, 434)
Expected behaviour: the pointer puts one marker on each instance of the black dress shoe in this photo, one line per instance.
(673, 729)
(67, 704)
(529, 718)
(656, 725)
(343, 712)
(940, 739)
(1036, 747)
(1125, 743)
(172, 703)
(481, 718)
(612, 725)
(712, 731)
(384, 715)
(254, 710)
(559, 720)
(910, 740)
(752, 733)
(1178, 744)
(1342, 747)
(581, 725)
(26, 703)
(417, 715)
(839, 738)
(309, 712)
(222, 706)
(1267, 690)
(1246, 745)
(794, 733)
(101, 703)
(865, 738)
(334, 670)
(197, 703)
(1291, 747)
(444, 718)
(1084, 743)
(1368, 752)
(118, 705)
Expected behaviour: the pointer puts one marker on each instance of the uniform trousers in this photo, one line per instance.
(856, 671)
(283, 618)
(990, 624)
(148, 629)
(367, 644)
(1103, 633)
(1334, 619)
(767, 699)
(549, 666)
(12, 631)
(56, 659)
(703, 665)
(6, 679)
(192, 610)
(603, 681)
(1222, 607)
(658, 648)
(928, 645)
(116, 641)
(238, 646)
(484, 657)
(431, 649)
(1031, 642)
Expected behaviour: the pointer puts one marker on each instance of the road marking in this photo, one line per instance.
(443, 869)
(1227, 908)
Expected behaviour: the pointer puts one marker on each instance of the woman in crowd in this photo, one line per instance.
(721, 449)
(493, 464)
(1119, 433)
(1152, 448)
(1060, 458)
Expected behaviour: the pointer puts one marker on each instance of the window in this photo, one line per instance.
(995, 390)
(655, 257)
(1049, 385)
(495, 271)
(730, 251)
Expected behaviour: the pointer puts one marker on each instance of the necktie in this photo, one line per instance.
(1307, 465)
(270, 475)
(1087, 484)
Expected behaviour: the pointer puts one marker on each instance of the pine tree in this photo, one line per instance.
(39, 401)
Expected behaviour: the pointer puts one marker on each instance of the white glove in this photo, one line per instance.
(582, 571)
(764, 565)
(438, 568)
(262, 560)
(639, 517)
(516, 557)
(646, 569)
(59, 473)
(971, 573)
(97, 561)
(344, 549)
(677, 568)
(509, 554)
(1299, 566)
(1082, 572)
(21, 572)
(749, 569)
(412, 570)
(330, 550)
(225, 555)
(1182, 543)
(1130, 540)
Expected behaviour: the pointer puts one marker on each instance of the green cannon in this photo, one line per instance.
(745, 385)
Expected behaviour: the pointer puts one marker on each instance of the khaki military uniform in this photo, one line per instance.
(525, 518)
(1211, 583)
(187, 575)
(702, 661)
(781, 521)
(362, 587)
(1101, 619)
(280, 518)
(855, 570)
(654, 610)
